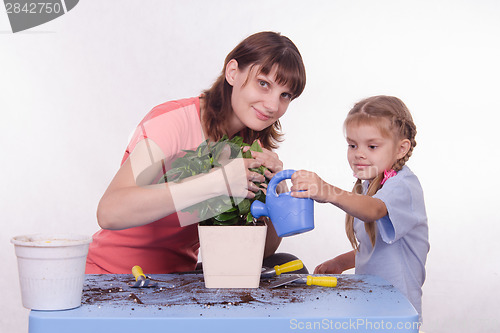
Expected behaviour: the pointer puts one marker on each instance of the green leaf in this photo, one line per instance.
(256, 147)
(244, 207)
(193, 208)
(174, 171)
(235, 150)
(237, 140)
(217, 151)
(185, 174)
(233, 221)
(196, 165)
(205, 211)
(260, 196)
(249, 218)
(180, 162)
(171, 175)
(221, 207)
(247, 154)
(226, 216)
(202, 160)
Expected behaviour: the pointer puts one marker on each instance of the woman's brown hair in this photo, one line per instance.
(373, 111)
(265, 50)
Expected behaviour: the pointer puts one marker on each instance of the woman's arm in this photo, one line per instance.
(271, 161)
(272, 239)
(125, 204)
(365, 208)
(129, 201)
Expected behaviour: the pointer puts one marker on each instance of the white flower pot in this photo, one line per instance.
(51, 270)
(232, 255)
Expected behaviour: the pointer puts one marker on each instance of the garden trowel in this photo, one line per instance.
(141, 280)
(310, 280)
(279, 269)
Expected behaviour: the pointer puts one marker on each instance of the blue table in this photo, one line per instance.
(181, 303)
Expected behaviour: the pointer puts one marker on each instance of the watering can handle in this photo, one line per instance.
(258, 208)
(282, 175)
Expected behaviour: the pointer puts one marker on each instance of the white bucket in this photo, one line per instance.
(51, 270)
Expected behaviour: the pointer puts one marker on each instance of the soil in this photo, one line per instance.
(189, 289)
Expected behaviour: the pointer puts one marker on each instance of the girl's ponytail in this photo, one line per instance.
(370, 227)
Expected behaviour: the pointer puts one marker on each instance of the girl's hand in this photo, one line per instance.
(332, 266)
(307, 184)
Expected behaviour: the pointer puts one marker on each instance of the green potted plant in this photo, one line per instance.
(231, 240)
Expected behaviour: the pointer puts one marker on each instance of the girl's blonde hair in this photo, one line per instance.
(393, 119)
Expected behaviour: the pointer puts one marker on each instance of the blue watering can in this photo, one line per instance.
(290, 216)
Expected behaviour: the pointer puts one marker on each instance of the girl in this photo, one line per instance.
(139, 218)
(386, 221)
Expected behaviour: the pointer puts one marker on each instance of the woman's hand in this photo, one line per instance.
(239, 180)
(273, 164)
(307, 184)
(269, 159)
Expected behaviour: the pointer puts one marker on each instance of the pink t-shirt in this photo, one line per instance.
(161, 246)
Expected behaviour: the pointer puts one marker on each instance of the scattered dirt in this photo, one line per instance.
(189, 289)
(136, 299)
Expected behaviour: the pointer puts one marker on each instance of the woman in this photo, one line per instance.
(142, 223)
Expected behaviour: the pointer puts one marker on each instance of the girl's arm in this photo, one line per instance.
(130, 202)
(365, 208)
(338, 264)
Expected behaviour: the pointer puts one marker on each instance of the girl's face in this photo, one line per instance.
(257, 100)
(370, 153)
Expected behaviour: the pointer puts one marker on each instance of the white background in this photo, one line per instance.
(72, 90)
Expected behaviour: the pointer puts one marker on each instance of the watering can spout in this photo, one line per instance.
(259, 209)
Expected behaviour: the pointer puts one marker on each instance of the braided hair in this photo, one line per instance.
(371, 111)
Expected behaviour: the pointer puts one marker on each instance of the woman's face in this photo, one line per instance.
(257, 99)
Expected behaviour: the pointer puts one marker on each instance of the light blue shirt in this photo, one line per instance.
(402, 241)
